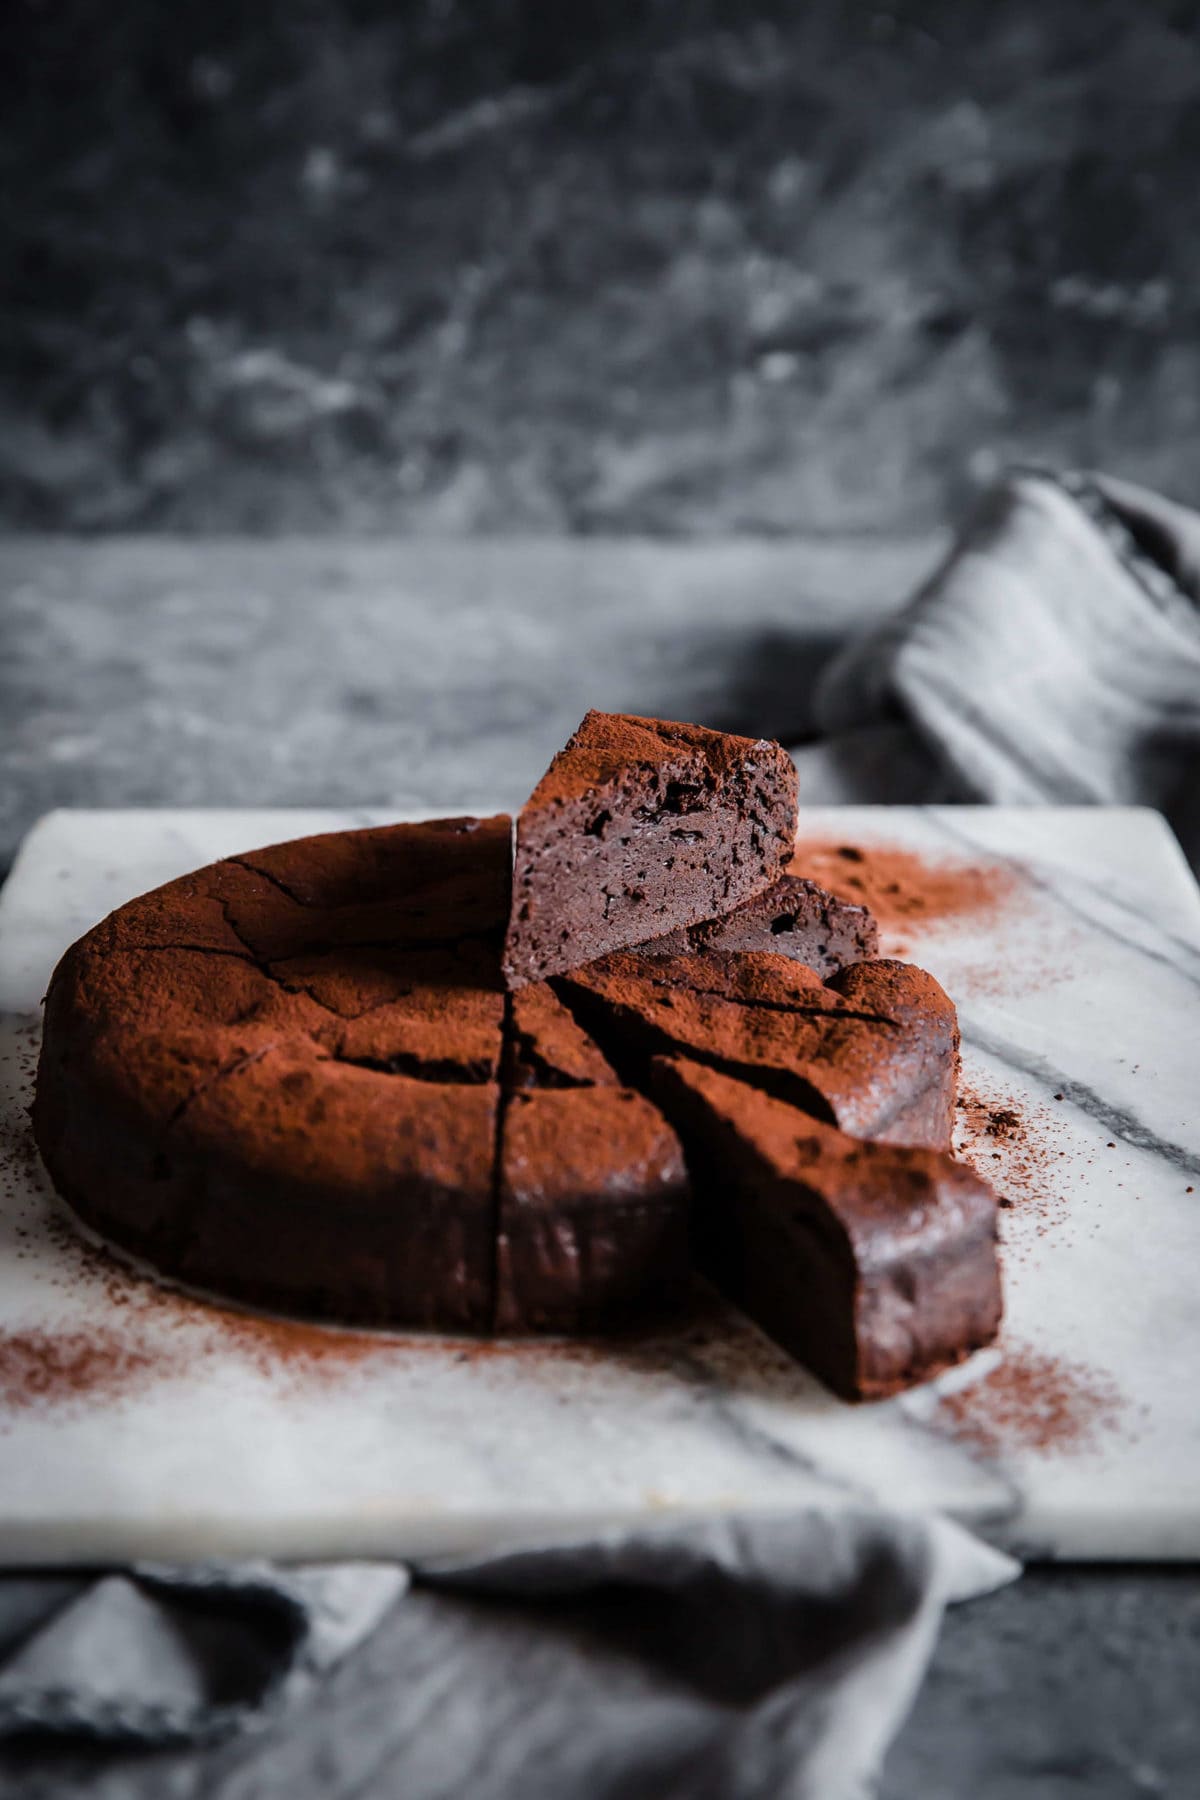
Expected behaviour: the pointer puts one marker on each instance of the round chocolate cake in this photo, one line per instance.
(296, 1078)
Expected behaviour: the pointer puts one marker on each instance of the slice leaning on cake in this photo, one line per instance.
(641, 827)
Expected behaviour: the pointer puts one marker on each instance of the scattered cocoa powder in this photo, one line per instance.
(903, 887)
(913, 893)
(1023, 971)
(1032, 1401)
(195, 1326)
(1017, 1150)
(287, 1349)
(42, 1366)
(162, 1337)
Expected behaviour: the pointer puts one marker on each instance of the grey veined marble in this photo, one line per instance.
(1077, 1436)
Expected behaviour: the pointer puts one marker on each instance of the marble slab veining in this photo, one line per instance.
(135, 1422)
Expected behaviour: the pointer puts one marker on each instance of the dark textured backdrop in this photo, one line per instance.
(679, 266)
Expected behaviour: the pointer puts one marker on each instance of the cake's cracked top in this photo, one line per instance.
(614, 746)
(549, 1048)
(873, 1050)
(640, 827)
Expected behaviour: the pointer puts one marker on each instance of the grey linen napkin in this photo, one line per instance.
(1055, 656)
(772, 1657)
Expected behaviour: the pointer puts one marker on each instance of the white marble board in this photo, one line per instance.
(136, 1422)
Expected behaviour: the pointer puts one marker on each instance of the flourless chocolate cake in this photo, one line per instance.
(300, 1077)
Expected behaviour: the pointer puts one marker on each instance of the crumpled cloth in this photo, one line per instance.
(772, 1657)
(1054, 657)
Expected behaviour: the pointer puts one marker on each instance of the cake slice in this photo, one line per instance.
(548, 1048)
(640, 827)
(592, 1192)
(874, 1266)
(793, 917)
(874, 1050)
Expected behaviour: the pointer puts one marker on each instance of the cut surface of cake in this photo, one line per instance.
(641, 827)
(793, 917)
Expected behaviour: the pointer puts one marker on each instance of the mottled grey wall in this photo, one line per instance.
(685, 266)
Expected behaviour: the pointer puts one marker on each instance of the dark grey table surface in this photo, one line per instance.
(168, 672)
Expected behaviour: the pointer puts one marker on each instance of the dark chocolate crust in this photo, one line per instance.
(794, 917)
(875, 1266)
(874, 1050)
(641, 827)
(278, 1077)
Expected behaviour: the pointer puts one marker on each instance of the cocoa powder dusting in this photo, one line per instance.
(912, 893)
(289, 1348)
(905, 888)
(1018, 1150)
(159, 1335)
(51, 1367)
(177, 1329)
(1033, 1401)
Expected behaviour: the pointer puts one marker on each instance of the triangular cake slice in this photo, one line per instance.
(592, 1193)
(874, 1050)
(874, 1266)
(641, 827)
(548, 1048)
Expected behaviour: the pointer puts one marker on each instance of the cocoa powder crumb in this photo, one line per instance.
(994, 1131)
(903, 887)
(913, 892)
(1034, 1401)
(41, 1366)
